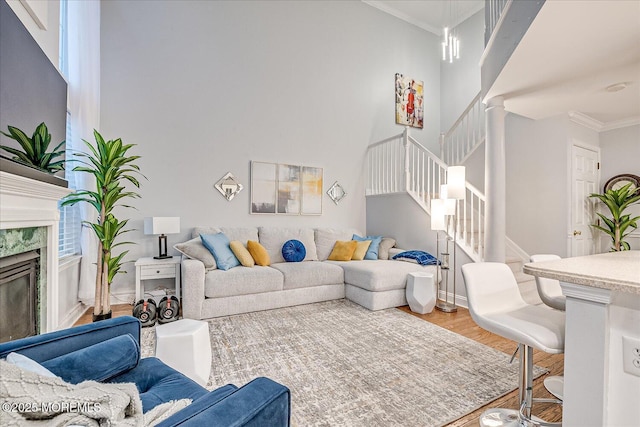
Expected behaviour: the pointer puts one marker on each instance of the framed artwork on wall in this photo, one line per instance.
(311, 191)
(263, 188)
(409, 101)
(285, 189)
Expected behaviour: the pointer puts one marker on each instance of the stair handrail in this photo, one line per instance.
(465, 135)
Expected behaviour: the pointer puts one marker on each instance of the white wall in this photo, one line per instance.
(537, 210)
(460, 80)
(48, 12)
(620, 151)
(203, 88)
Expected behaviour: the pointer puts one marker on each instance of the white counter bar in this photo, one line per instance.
(603, 305)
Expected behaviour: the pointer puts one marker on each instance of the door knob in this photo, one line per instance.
(577, 233)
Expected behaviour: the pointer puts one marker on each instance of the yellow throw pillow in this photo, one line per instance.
(361, 250)
(259, 253)
(242, 253)
(343, 250)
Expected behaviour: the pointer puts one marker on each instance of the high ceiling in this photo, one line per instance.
(571, 53)
(430, 15)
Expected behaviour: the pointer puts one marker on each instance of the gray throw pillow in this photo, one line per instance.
(196, 250)
(386, 244)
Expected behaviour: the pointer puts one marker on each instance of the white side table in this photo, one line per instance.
(421, 292)
(185, 346)
(151, 268)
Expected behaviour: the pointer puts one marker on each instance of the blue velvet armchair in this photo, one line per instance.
(109, 351)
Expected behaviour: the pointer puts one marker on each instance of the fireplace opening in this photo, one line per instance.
(19, 296)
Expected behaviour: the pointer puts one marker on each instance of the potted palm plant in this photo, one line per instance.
(112, 168)
(620, 224)
(34, 150)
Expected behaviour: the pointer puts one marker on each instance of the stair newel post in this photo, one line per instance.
(442, 146)
(407, 172)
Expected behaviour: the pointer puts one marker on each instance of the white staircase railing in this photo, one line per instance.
(401, 164)
(466, 134)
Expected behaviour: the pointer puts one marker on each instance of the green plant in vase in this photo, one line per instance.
(34, 150)
(620, 224)
(112, 168)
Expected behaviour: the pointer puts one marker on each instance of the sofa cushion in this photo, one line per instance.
(343, 250)
(98, 362)
(379, 275)
(308, 274)
(159, 383)
(242, 253)
(259, 253)
(194, 249)
(218, 245)
(293, 251)
(242, 281)
(273, 238)
(326, 238)
(372, 252)
(385, 245)
(233, 233)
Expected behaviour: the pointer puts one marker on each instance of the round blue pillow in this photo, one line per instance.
(293, 251)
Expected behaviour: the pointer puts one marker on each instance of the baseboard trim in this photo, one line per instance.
(72, 316)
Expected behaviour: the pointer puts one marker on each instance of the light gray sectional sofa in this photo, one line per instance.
(211, 292)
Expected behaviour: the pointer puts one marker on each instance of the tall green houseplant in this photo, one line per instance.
(620, 224)
(112, 168)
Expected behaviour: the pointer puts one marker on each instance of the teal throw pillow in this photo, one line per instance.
(218, 245)
(372, 252)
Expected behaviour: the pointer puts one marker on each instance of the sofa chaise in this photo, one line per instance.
(109, 352)
(209, 292)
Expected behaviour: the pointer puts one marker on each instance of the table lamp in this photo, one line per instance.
(162, 225)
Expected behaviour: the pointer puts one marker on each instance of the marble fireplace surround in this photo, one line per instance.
(25, 203)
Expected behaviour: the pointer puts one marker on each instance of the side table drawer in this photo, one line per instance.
(151, 272)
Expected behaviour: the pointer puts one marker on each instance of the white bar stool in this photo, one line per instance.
(185, 346)
(496, 305)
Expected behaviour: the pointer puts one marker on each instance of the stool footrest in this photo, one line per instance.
(529, 421)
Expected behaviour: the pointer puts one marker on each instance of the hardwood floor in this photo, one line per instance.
(461, 323)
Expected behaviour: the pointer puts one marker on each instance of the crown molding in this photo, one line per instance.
(594, 124)
(403, 16)
(631, 121)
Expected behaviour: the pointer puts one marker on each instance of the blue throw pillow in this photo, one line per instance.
(372, 252)
(421, 257)
(293, 251)
(218, 245)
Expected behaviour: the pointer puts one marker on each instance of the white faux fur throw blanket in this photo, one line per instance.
(29, 399)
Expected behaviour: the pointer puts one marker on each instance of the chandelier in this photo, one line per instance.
(450, 40)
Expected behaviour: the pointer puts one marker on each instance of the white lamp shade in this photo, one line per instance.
(162, 225)
(449, 204)
(456, 182)
(437, 215)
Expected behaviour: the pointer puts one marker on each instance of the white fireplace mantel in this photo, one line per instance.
(25, 202)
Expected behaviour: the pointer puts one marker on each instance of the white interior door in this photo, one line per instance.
(585, 178)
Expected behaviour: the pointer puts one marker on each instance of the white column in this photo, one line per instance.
(494, 182)
(586, 350)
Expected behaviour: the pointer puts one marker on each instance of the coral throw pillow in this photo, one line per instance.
(343, 250)
(293, 251)
(259, 253)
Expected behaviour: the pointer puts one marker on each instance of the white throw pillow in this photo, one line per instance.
(23, 362)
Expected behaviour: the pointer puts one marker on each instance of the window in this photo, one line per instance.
(70, 221)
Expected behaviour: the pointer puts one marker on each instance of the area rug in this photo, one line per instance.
(348, 366)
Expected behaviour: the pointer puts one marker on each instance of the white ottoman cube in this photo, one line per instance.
(421, 292)
(185, 346)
